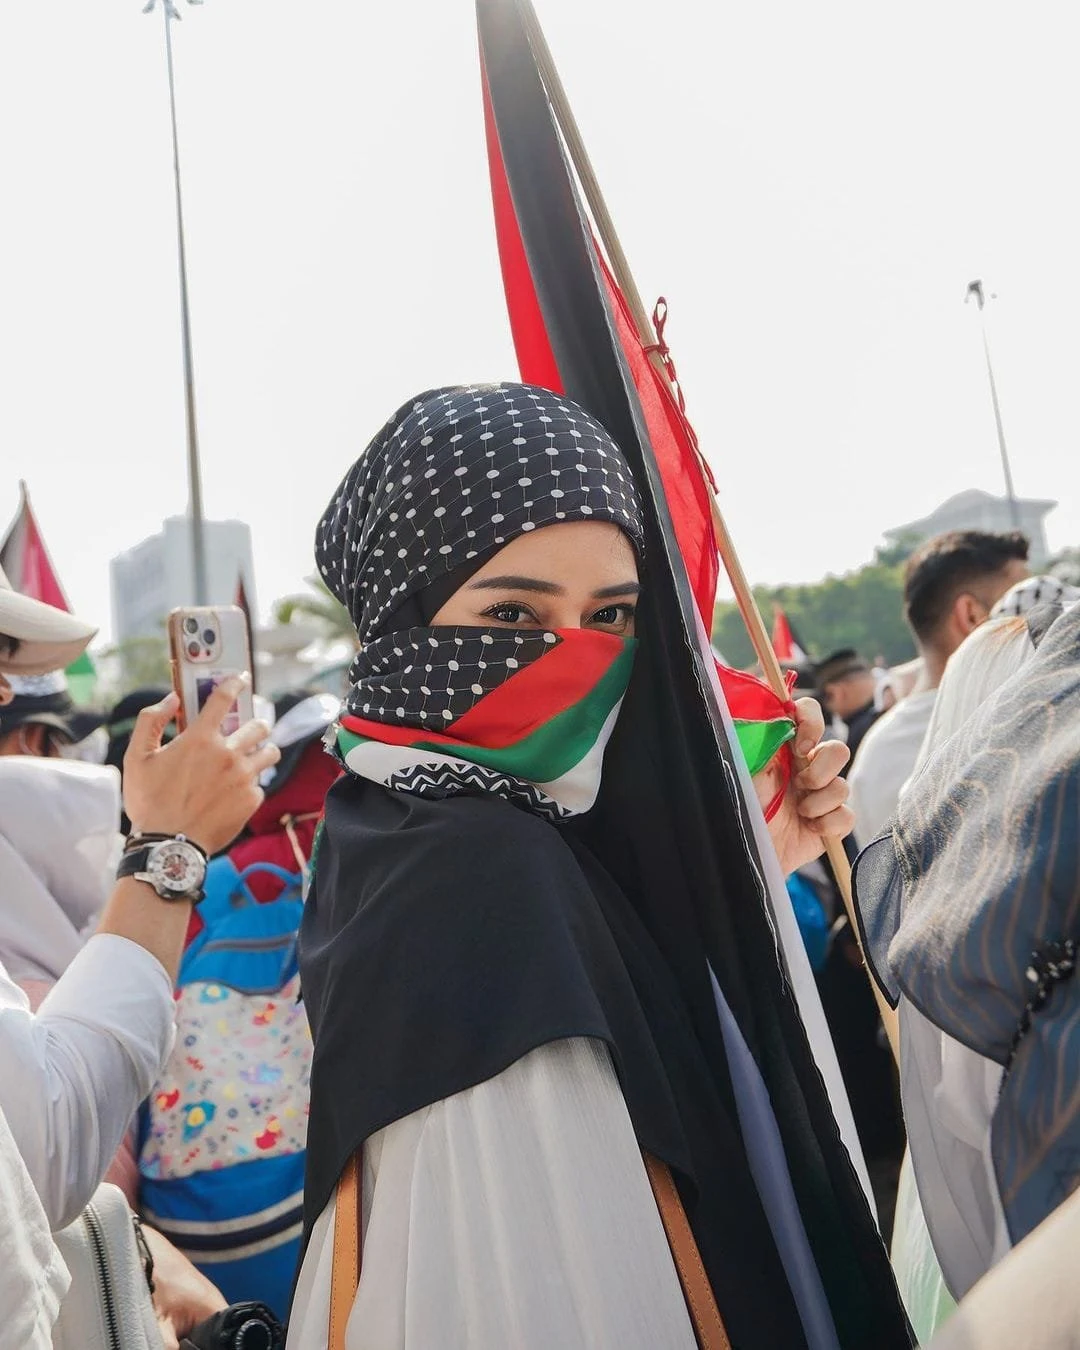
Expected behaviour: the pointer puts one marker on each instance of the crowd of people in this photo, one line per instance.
(456, 1015)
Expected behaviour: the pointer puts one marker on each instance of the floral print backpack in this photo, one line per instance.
(223, 1135)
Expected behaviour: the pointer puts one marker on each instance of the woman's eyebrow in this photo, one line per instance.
(533, 584)
(629, 588)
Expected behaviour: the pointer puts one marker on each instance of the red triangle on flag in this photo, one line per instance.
(26, 561)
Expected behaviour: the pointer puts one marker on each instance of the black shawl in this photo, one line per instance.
(442, 941)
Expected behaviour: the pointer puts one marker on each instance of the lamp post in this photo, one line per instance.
(195, 505)
(975, 291)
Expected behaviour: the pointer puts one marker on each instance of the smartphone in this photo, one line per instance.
(206, 646)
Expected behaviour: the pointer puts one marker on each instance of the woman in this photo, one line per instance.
(496, 1022)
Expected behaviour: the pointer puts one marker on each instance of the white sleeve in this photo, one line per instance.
(72, 1077)
(517, 1213)
(866, 800)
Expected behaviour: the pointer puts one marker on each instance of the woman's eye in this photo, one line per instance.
(614, 616)
(509, 613)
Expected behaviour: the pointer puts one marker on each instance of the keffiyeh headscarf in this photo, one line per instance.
(1033, 593)
(454, 476)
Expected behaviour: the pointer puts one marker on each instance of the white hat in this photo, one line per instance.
(48, 638)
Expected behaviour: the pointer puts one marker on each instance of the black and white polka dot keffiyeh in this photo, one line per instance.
(455, 475)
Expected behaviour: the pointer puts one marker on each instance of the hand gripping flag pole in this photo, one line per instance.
(650, 338)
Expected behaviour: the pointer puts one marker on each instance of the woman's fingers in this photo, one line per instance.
(837, 824)
(817, 804)
(826, 763)
(809, 725)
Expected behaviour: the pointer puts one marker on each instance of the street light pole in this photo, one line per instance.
(195, 506)
(975, 289)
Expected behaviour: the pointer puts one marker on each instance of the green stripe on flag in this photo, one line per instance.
(759, 741)
(82, 679)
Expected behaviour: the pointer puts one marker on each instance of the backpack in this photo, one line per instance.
(223, 1135)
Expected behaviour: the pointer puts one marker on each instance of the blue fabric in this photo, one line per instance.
(769, 1167)
(266, 1195)
(810, 916)
(245, 945)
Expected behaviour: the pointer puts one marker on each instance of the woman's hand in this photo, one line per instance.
(202, 785)
(815, 807)
(183, 1296)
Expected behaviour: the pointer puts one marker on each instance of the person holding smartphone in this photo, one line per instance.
(72, 1075)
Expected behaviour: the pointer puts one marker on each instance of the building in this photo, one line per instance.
(978, 510)
(157, 575)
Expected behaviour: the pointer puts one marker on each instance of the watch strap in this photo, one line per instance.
(133, 862)
(138, 838)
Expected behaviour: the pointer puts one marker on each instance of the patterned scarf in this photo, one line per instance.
(455, 475)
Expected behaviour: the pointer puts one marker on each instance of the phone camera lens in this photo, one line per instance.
(193, 650)
(209, 636)
(191, 625)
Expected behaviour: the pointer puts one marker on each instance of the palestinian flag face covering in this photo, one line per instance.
(522, 713)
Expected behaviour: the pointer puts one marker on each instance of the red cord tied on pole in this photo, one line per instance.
(660, 347)
(662, 352)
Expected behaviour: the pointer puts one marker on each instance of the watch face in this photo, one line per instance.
(176, 867)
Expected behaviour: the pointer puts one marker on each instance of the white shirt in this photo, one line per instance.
(72, 1077)
(33, 1277)
(885, 760)
(517, 1213)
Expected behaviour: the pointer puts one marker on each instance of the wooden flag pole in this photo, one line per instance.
(744, 597)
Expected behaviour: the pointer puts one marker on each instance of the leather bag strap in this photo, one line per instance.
(700, 1301)
(705, 1315)
(345, 1268)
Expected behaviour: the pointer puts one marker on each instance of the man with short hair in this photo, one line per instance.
(847, 684)
(950, 586)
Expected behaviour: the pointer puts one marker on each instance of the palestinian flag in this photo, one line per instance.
(785, 642)
(570, 692)
(26, 562)
(763, 722)
(671, 823)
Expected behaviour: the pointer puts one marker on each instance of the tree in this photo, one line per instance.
(862, 609)
(900, 550)
(319, 605)
(137, 662)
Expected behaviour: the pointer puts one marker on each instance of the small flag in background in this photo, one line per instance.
(786, 643)
(26, 561)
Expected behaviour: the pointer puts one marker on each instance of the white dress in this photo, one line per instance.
(516, 1214)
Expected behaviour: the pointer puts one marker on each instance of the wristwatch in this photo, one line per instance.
(174, 866)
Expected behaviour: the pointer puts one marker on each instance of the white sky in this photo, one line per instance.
(812, 187)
